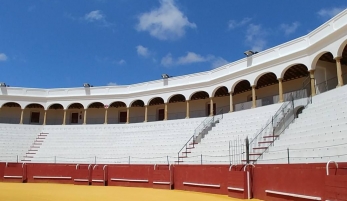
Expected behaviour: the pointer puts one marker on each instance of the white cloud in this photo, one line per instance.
(94, 16)
(218, 62)
(232, 24)
(289, 28)
(112, 84)
(191, 57)
(121, 62)
(329, 13)
(142, 51)
(166, 22)
(167, 60)
(3, 57)
(256, 37)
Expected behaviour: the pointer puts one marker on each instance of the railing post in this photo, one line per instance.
(247, 150)
(94, 159)
(17, 158)
(288, 155)
(229, 154)
(129, 160)
(201, 160)
(178, 158)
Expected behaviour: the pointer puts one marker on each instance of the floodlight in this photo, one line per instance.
(165, 76)
(249, 53)
(86, 85)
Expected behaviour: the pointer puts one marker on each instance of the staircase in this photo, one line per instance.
(35, 147)
(274, 127)
(200, 132)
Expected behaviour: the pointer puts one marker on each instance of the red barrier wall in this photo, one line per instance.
(99, 175)
(202, 174)
(13, 170)
(335, 187)
(305, 179)
(163, 174)
(2, 171)
(50, 170)
(131, 172)
(82, 175)
(237, 179)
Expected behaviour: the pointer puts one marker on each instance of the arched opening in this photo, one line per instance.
(10, 113)
(267, 89)
(136, 111)
(242, 95)
(199, 104)
(55, 114)
(156, 109)
(178, 107)
(75, 114)
(325, 73)
(96, 113)
(114, 112)
(33, 114)
(221, 98)
(296, 82)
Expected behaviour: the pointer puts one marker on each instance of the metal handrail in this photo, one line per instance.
(270, 121)
(206, 122)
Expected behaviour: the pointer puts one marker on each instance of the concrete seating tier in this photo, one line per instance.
(151, 142)
(214, 147)
(16, 140)
(318, 135)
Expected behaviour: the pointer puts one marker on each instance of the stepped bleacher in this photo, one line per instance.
(214, 147)
(318, 135)
(141, 143)
(16, 140)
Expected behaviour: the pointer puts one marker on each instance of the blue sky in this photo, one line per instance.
(58, 44)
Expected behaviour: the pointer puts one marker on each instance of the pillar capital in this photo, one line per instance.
(338, 58)
(254, 86)
(280, 79)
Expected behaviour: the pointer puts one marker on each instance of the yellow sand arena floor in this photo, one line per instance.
(55, 192)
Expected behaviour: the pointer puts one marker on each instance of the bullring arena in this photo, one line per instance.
(271, 126)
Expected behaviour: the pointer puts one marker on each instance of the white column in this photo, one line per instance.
(64, 118)
(165, 112)
(44, 117)
(106, 116)
(187, 111)
(231, 102)
(313, 87)
(211, 106)
(85, 117)
(280, 89)
(254, 101)
(146, 113)
(339, 71)
(128, 115)
(21, 117)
